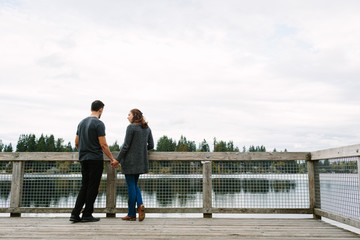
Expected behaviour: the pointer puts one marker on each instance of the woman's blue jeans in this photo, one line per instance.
(133, 193)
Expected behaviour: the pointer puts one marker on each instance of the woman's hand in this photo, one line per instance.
(114, 163)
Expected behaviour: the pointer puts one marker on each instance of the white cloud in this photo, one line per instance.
(275, 73)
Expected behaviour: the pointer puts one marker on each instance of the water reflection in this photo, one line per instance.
(47, 192)
(251, 185)
(5, 187)
(157, 191)
(169, 190)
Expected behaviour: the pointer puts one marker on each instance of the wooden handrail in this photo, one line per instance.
(165, 156)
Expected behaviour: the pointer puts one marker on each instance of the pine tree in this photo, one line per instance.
(220, 147)
(192, 146)
(165, 144)
(41, 144)
(230, 146)
(8, 148)
(21, 144)
(182, 145)
(114, 147)
(31, 143)
(59, 145)
(50, 143)
(204, 146)
(262, 148)
(185, 146)
(69, 148)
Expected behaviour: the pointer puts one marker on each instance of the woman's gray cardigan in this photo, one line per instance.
(133, 155)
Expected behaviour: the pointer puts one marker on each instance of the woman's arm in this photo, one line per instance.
(150, 141)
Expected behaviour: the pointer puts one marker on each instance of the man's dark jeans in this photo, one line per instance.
(91, 171)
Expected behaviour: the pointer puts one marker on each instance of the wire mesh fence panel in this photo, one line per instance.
(339, 187)
(179, 184)
(260, 184)
(55, 184)
(5, 183)
(169, 184)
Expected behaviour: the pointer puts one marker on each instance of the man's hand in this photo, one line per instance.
(114, 163)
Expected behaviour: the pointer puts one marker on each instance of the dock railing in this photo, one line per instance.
(323, 183)
(336, 185)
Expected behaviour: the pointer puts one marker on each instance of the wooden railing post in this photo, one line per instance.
(110, 191)
(314, 186)
(358, 170)
(207, 190)
(16, 187)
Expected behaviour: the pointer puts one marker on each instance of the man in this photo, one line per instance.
(91, 143)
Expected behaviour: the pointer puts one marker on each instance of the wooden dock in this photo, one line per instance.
(172, 228)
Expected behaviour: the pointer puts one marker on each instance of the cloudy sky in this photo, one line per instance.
(283, 74)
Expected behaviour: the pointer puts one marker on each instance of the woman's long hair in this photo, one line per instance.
(138, 118)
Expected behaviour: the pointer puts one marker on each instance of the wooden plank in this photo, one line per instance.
(16, 187)
(173, 228)
(58, 210)
(207, 189)
(358, 170)
(166, 210)
(164, 156)
(347, 151)
(227, 156)
(98, 210)
(110, 190)
(346, 220)
(340, 152)
(312, 186)
(317, 189)
(263, 210)
(39, 156)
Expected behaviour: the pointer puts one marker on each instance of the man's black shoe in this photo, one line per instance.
(75, 218)
(90, 219)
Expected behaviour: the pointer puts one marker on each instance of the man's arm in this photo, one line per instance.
(77, 142)
(105, 148)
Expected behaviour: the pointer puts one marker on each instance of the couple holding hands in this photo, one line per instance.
(133, 158)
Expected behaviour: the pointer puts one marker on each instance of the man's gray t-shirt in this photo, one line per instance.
(89, 130)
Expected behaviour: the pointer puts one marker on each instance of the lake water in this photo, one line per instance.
(185, 191)
(339, 192)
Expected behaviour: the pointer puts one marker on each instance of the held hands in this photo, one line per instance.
(114, 163)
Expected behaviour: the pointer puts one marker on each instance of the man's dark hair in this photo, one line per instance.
(96, 105)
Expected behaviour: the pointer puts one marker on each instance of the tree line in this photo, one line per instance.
(48, 143)
(5, 148)
(30, 143)
(45, 143)
(166, 144)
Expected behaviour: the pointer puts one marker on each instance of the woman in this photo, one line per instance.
(133, 158)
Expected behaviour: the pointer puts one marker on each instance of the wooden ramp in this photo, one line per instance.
(172, 228)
